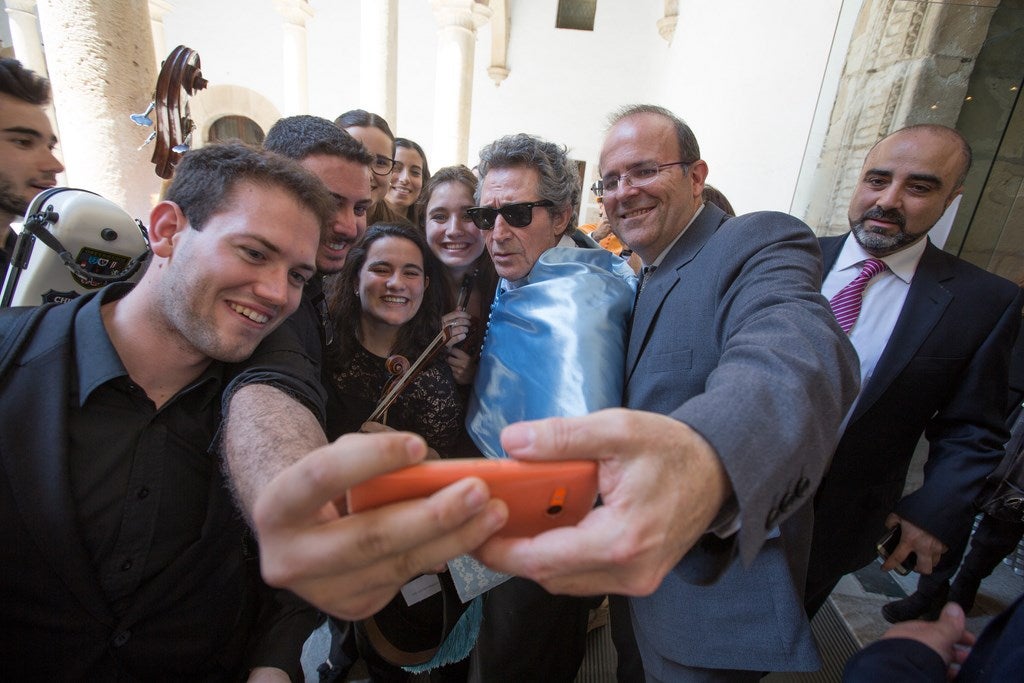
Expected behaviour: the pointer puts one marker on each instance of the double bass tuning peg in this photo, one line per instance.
(143, 118)
(151, 138)
(183, 147)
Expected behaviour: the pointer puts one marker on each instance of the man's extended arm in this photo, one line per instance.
(761, 426)
(265, 431)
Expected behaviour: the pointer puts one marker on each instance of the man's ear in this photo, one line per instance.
(953, 195)
(560, 217)
(698, 173)
(165, 222)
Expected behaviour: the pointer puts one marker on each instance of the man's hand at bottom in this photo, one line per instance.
(351, 566)
(947, 637)
(661, 486)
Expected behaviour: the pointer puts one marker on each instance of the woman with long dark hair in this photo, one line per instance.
(411, 172)
(459, 245)
(389, 300)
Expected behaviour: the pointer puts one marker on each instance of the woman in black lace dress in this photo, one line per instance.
(389, 299)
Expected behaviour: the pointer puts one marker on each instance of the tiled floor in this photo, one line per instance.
(857, 602)
(853, 620)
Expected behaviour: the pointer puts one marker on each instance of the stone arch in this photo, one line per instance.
(230, 100)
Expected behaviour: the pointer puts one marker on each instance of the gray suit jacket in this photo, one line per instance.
(733, 337)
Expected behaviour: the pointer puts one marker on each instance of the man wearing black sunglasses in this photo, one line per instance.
(538, 336)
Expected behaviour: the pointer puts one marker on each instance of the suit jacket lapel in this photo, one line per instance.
(656, 291)
(925, 303)
(830, 248)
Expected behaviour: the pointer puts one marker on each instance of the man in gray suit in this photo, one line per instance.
(737, 379)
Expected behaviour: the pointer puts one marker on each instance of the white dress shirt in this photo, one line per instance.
(883, 302)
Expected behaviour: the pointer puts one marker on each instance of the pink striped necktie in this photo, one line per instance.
(846, 303)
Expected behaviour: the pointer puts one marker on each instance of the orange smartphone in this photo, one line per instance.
(539, 495)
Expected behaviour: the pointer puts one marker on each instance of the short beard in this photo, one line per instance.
(10, 201)
(879, 244)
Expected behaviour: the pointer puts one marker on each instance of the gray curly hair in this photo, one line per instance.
(559, 179)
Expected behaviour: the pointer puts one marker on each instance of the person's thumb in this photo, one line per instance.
(952, 619)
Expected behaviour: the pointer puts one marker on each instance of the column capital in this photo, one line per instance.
(667, 24)
(467, 14)
(28, 6)
(294, 11)
(158, 9)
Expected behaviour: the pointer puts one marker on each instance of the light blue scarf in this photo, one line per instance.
(555, 346)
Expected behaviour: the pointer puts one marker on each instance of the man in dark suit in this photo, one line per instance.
(124, 556)
(737, 378)
(934, 335)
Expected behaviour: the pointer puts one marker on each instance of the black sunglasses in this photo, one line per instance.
(518, 215)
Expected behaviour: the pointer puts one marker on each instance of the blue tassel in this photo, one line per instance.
(460, 640)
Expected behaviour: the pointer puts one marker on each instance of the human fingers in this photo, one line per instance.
(927, 547)
(382, 547)
(587, 438)
(457, 358)
(575, 560)
(941, 635)
(299, 491)
(362, 591)
(374, 428)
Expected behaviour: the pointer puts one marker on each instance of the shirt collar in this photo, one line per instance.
(96, 359)
(902, 263)
(664, 253)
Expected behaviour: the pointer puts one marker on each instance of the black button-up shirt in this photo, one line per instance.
(141, 499)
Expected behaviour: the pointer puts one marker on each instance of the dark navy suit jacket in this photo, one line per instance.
(944, 374)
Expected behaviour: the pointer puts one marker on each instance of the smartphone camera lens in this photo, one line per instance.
(557, 502)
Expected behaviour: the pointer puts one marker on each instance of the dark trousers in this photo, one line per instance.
(529, 634)
(629, 667)
(993, 540)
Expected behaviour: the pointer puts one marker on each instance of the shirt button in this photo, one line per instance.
(126, 565)
(143, 493)
(122, 638)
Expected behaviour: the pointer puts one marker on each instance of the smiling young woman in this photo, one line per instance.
(388, 300)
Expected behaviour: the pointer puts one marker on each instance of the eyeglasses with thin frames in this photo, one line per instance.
(638, 176)
(518, 215)
(381, 165)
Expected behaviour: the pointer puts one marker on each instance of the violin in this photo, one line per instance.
(181, 76)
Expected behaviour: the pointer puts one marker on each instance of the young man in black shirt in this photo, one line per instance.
(124, 555)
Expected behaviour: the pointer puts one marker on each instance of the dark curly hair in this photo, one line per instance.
(345, 306)
(22, 83)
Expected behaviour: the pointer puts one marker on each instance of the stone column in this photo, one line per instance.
(457, 22)
(101, 68)
(296, 74)
(28, 47)
(378, 59)
(158, 9)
